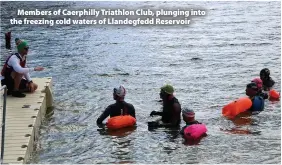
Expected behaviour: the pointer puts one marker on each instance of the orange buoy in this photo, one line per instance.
(274, 95)
(234, 108)
(118, 122)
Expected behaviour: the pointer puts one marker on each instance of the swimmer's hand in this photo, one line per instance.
(153, 113)
(153, 124)
(101, 125)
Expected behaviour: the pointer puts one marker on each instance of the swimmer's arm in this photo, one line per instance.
(103, 116)
(132, 111)
(159, 113)
(269, 84)
(272, 82)
(156, 113)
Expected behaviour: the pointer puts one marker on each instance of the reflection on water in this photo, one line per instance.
(117, 133)
(241, 121)
(121, 144)
(194, 142)
(243, 124)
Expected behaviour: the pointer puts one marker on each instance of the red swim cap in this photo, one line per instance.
(258, 81)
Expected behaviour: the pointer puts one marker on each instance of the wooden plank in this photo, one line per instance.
(23, 119)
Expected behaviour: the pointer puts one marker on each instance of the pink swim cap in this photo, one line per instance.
(258, 82)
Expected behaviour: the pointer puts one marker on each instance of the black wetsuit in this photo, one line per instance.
(168, 111)
(268, 83)
(167, 115)
(116, 109)
(188, 124)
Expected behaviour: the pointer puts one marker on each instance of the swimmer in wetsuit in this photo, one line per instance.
(119, 108)
(259, 84)
(189, 118)
(171, 109)
(252, 91)
(268, 82)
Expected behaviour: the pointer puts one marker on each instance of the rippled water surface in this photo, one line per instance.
(233, 42)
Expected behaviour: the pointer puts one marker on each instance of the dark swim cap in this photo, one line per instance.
(252, 85)
(265, 72)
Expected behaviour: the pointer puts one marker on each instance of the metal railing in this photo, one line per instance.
(3, 121)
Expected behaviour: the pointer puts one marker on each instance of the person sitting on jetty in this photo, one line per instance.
(15, 74)
(171, 109)
(119, 108)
